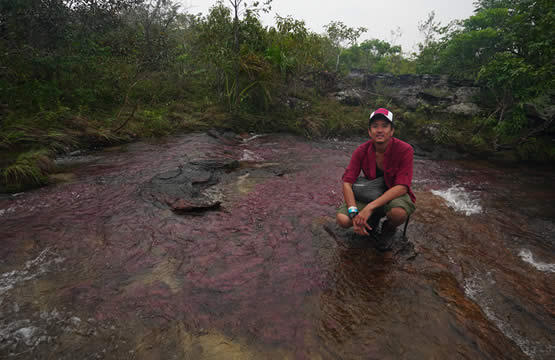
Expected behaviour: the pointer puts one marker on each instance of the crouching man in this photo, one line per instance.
(383, 155)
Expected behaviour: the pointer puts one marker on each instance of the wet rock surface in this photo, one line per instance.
(183, 189)
(107, 267)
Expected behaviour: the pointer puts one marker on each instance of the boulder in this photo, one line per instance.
(350, 97)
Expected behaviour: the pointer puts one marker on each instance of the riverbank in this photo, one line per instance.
(29, 146)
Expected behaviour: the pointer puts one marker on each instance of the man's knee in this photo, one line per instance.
(397, 215)
(343, 220)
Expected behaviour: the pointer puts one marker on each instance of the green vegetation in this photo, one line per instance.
(507, 49)
(91, 72)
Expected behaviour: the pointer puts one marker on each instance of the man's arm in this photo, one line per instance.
(348, 194)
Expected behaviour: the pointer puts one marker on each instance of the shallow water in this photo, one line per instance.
(91, 269)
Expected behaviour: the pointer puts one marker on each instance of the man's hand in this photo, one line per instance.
(360, 224)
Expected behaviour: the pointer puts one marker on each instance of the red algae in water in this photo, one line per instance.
(268, 274)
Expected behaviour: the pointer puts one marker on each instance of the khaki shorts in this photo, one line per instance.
(402, 202)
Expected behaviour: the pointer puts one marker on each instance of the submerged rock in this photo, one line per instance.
(183, 189)
(182, 205)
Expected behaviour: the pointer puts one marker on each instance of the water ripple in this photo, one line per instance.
(527, 256)
(461, 200)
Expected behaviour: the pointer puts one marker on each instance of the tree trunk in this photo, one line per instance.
(235, 86)
(337, 62)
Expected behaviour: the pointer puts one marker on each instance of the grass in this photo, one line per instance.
(326, 117)
(30, 169)
(28, 145)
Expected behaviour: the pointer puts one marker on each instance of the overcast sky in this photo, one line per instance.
(379, 17)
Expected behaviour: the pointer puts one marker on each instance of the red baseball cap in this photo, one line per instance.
(381, 111)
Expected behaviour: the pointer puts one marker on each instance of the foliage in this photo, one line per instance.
(506, 47)
(429, 50)
(534, 149)
(86, 72)
(341, 36)
(377, 56)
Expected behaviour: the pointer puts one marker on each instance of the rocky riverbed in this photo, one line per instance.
(214, 246)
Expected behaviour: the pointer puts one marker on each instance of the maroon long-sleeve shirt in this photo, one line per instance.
(397, 164)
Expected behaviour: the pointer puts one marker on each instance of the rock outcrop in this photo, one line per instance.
(412, 91)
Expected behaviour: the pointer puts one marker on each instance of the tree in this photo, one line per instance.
(155, 19)
(434, 35)
(376, 54)
(52, 52)
(342, 36)
(507, 48)
(251, 10)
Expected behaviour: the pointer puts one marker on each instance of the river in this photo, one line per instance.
(100, 266)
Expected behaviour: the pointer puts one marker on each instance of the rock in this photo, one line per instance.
(349, 97)
(465, 94)
(227, 138)
(430, 131)
(413, 91)
(182, 205)
(296, 103)
(185, 189)
(433, 99)
(467, 109)
(216, 164)
(323, 82)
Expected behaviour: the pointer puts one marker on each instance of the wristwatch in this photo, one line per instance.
(353, 211)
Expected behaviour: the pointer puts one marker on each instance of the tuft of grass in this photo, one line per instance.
(328, 117)
(101, 135)
(152, 123)
(30, 169)
(29, 136)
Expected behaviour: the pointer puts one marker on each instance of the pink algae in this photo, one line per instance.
(268, 272)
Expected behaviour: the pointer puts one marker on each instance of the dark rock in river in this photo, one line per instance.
(182, 205)
(183, 189)
(226, 138)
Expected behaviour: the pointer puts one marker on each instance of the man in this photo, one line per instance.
(385, 156)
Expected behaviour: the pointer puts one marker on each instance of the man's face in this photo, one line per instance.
(380, 131)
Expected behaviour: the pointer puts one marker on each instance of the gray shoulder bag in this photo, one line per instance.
(369, 190)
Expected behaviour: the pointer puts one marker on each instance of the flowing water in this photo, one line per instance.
(101, 267)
